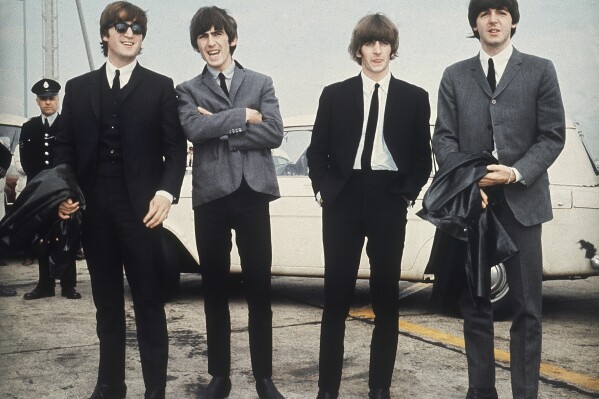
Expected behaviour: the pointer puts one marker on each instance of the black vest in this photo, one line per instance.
(110, 154)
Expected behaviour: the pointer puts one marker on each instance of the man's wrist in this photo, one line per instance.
(166, 195)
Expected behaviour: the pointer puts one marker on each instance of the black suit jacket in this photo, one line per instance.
(37, 151)
(338, 129)
(154, 148)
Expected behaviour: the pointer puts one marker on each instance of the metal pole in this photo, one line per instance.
(90, 59)
(48, 38)
(25, 96)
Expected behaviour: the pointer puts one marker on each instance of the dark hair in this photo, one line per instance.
(371, 28)
(117, 12)
(208, 17)
(478, 6)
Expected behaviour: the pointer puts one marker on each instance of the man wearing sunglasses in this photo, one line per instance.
(121, 134)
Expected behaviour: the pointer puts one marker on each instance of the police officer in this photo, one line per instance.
(36, 145)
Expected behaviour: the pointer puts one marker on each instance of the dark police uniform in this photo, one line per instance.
(36, 146)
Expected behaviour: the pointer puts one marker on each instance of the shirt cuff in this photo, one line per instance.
(519, 177)
(166, 195)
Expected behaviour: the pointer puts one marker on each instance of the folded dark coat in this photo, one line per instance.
(453, 205)
(33, 218)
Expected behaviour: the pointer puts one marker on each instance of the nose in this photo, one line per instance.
(493, 16)
(211, 40)
(377, 47)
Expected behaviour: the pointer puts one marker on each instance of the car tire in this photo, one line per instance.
(171, 270)
(500, 293)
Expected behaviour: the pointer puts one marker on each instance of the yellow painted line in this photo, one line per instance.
(550, 371)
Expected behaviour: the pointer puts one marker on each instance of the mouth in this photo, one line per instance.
(213, 52)
(128, 44)
(493, 31)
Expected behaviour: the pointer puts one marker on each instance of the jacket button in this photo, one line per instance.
(494, 101)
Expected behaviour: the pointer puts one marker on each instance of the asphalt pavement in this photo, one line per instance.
(49, 348)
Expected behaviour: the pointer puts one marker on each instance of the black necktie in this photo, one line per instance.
(223, 83)
(46, 125)
(491, 75)
(116, 83)
(373, 116)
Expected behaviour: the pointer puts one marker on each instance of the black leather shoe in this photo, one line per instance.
(481, 393)
(267, 390)
(103, 391)
(327, 395)
(5, 291)
(38, 293)
(155, 394)
(379, 393)
(70, 293)
(219, 388)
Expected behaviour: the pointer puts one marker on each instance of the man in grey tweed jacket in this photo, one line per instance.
(509, 103)
(231, 116)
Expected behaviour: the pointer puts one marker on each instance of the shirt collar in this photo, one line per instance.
(368, 84)
(499, 61)
(50, 118)
(228, 72)
(125, 72)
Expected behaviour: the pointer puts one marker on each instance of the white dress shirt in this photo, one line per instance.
(125, 73)
(381, 157)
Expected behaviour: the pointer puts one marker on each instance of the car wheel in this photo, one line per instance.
(500, 293)
(171, 265)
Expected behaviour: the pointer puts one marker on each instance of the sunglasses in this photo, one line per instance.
(122, 27)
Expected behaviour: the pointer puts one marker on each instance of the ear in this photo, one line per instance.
(358, 54)
(233, 43)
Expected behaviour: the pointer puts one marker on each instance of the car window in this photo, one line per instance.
(12, 132)
(290, 157)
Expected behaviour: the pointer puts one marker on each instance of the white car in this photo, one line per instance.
(568, 240)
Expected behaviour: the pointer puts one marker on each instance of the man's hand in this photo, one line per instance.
(498, 174)
(253, 116)
(204, 111)
(66, 208)
(484, 197)
(158, 212)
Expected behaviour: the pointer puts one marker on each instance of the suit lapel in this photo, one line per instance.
(95, 91)
(511, 70)
(136, 77)
(478, 74)
(238, 77)
(393, 104)
(355, 114)
(214, 87)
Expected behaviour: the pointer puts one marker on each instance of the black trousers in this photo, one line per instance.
(364, 209)
(113, 238)
(246, 212)
(525, 276)
(68, 279)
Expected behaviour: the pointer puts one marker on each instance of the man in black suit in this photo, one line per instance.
(36, 150)
(368, 159)
(121, 133)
